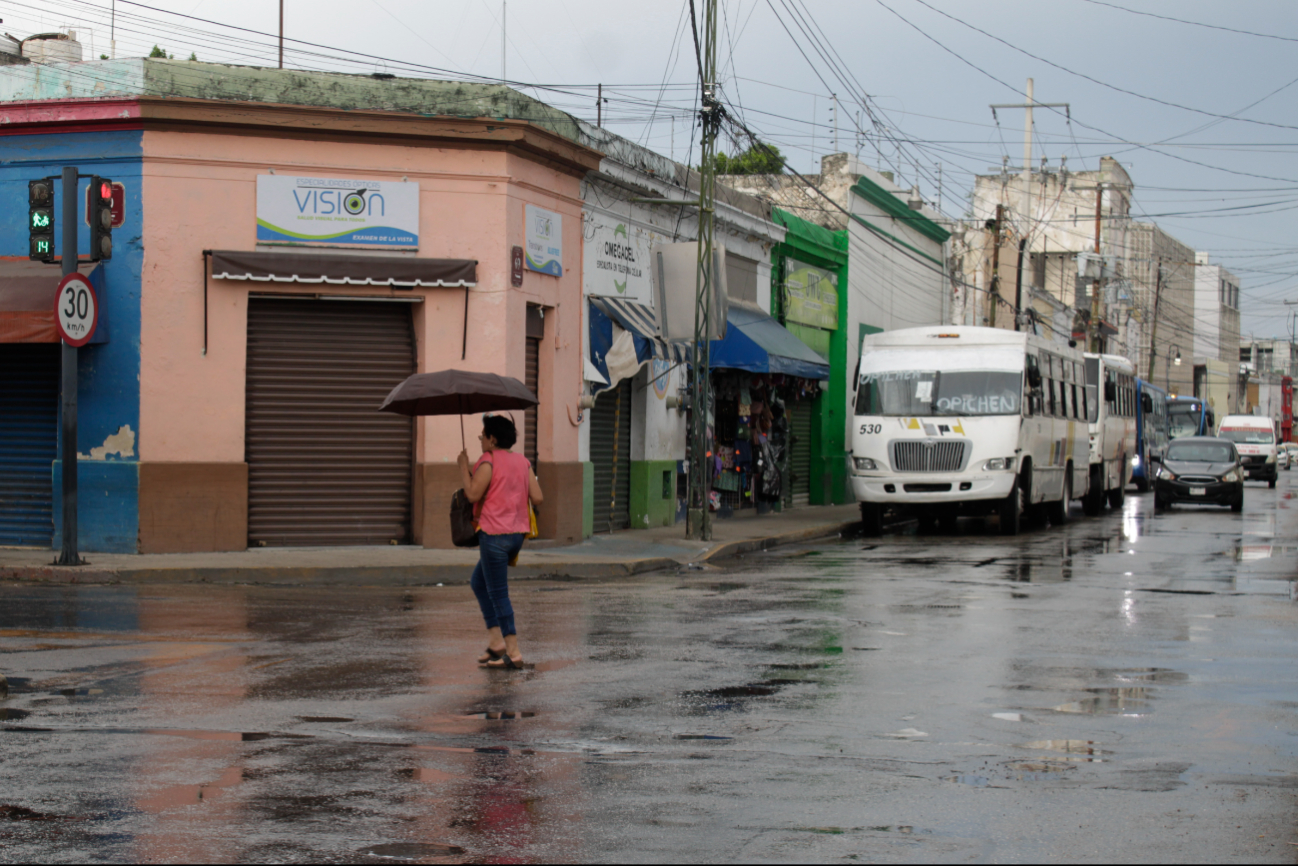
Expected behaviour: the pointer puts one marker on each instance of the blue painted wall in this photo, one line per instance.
(109, 372)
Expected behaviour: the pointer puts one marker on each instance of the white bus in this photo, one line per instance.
(955, 420)
(1112, 432)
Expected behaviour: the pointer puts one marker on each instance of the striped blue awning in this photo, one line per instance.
(643, 323)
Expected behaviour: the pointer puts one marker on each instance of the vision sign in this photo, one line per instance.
(337, 212)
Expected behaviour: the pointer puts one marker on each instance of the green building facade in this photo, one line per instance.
(809, 297)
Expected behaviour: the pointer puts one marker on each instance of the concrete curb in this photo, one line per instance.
(396, 575)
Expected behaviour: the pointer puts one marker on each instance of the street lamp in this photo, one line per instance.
(1175, 351)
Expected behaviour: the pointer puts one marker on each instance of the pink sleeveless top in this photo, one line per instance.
(503, 509)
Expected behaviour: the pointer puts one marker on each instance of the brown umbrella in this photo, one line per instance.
(457, 392)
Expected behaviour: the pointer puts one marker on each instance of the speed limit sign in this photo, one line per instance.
(76, 309)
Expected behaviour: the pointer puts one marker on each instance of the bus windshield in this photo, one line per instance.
(937, 393)
(1247, 435)
(1183, 419)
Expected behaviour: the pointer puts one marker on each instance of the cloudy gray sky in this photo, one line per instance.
(1206, 126)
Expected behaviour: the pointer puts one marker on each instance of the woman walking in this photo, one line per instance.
(500, 485)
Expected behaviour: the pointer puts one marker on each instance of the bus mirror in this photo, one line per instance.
(1146, 403)
(1034, 377)
(1110, 391)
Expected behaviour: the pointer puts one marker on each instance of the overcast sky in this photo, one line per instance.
(1227, 186)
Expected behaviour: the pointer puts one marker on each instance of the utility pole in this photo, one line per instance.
(281, 33)
(112, 32)
(1096, 343)
(1153, 328)
(1018, 287)
(503, 10)
(995, 293)
(69, 554)
(698, 519)
(599, 104)
(834, 97)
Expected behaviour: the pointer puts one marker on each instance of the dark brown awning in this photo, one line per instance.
(342, 270)
(27, 301)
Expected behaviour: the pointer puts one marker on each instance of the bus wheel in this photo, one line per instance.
(1058, 511)
(871, 519)
(946, 520)
(1142, 484)
(1271, 484)
(927, 521)
(1012, 510)
(1093, 501)
(1118, 495)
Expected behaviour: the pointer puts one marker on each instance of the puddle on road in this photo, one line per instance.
(226, 736)
(13, 714)
(700, 737)
(411, 850)
(501, 715)
(1111, 702)
(972, 781)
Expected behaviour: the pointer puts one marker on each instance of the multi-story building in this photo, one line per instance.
(1057, 219)
(1217, 376)
(1162, 274)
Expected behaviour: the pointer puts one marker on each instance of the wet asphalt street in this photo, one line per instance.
(1123, 688)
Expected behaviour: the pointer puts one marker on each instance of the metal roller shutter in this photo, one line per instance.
(800, 452)
(29, 423)
(324, 466)
(529, 415)
(610, 452)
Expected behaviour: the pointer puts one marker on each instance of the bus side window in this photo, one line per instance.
(1063, 400)
(1076, 416)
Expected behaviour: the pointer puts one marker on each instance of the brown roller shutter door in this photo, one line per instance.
(529, 415)
(324, 466)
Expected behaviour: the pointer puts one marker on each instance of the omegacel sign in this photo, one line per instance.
(617, 259)
(320, 211)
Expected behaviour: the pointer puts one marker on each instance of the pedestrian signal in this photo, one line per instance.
(101, 218)
(40, 219)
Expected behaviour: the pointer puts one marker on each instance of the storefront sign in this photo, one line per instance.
(544, 234)
(812, 295)
(335, 212)
(617, 259)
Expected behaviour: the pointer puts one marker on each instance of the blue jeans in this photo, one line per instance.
(490, 580)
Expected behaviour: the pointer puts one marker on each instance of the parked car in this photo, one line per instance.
(1200, 469)
(1290, 451)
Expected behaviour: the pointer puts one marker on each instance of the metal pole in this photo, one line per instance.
(1018, 288)
(995, 293)
(599, 106)
(112, 32)
(698, 520)
(1153, 328)
(503, 10)
(1095, 287)
(281, 34)
(69, 555)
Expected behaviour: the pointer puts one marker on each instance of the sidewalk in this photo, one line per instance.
(613, 555)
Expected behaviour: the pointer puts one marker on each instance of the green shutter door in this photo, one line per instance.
(800, 452)
(610, 453)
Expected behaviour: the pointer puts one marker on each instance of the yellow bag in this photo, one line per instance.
(533, 532)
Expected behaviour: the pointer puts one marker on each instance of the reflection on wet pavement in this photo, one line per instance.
(1119, 672)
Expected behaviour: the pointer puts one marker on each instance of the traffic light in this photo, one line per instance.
(40, 219)
(101, 218)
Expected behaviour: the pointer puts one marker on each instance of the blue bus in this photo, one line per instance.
(1189, 416)
(1151, 432)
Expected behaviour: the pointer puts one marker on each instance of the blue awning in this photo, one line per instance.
(757, 343)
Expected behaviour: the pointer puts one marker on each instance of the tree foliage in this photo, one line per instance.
(157, 52)
(757, 159)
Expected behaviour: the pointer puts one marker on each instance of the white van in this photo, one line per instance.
(1254, 438)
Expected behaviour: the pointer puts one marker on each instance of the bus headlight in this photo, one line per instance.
(1135, 461)
(998, 464)
(865, 464)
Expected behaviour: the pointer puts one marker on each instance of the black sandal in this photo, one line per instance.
(504, 662)
(492, 655)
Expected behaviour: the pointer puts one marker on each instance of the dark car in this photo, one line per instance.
(1200, 469)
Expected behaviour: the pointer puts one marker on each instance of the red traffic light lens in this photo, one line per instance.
(106, 191)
